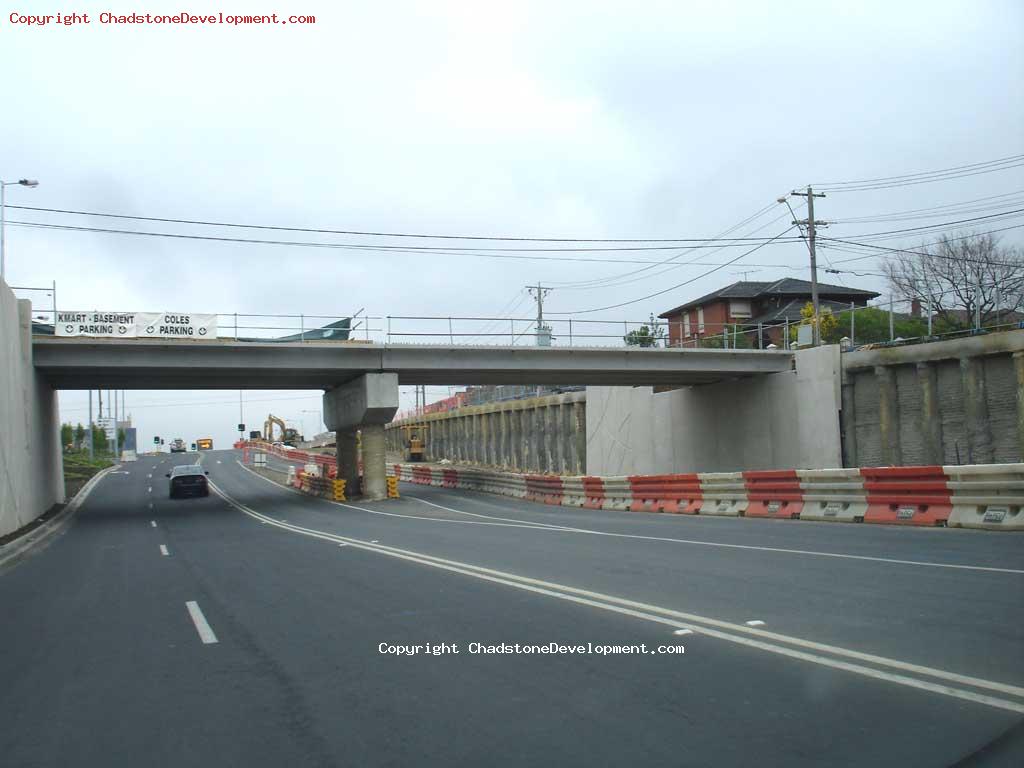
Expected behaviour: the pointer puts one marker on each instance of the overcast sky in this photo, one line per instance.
(557, 119)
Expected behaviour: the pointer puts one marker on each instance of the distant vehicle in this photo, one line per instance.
(205, 444)
(178, 445)
(188, 480)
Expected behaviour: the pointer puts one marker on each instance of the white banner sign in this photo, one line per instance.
(143, 325)
(169, 325)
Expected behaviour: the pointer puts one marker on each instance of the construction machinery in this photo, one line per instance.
(415, 440)
(288, 434)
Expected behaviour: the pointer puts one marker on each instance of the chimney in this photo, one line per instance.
(915, 307)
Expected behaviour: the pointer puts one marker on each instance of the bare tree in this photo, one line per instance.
(956, 276)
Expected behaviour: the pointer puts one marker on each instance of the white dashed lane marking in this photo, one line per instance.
(163, 550)
(202, 626)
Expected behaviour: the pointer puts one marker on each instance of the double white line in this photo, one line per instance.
(771, 642)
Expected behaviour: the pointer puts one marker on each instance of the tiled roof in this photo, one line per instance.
(787, 286)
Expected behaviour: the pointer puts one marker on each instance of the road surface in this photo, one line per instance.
(260, 627)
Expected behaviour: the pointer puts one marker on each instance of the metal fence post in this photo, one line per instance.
(236, 326)
(389, 329)
(785, 343)
(853, 326)
(760, 335)
(451, 336)
(512, 332)
(54, 293)
(302, 327)
(570, 331)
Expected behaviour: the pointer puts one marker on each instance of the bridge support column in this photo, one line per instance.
(375, 484)
(366, 403)
(348, 460)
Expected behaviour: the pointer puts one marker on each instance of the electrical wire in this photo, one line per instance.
(731, 242)
(924, 177)
(635, 276)
(318, 230)
(678, 285)
(610, 279)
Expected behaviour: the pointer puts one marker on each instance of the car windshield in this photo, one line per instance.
(187, 469)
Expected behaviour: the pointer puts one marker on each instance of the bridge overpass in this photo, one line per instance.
(88, 363)
(361, 380)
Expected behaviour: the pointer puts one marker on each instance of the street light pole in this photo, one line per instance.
(30, 183)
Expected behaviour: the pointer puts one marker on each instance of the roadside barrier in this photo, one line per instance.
(510, 484)
(989, 496)
(833, 495)
(618, 494)
(679, 494)
(724, 493)
(392, 487)
(906, 495)
(545, 489)
(773, 493)
(573, 494)
(593, 492)
(338, 487)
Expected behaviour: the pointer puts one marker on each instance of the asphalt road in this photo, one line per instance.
(255, 640)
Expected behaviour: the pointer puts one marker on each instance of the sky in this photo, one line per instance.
(595, 120)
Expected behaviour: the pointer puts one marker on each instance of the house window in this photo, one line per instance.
(739, 308)
(686, 325)
(700, 319)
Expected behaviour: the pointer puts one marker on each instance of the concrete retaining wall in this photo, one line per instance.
(540, 434)
(31, 467)
(948, 402)
(774, 421)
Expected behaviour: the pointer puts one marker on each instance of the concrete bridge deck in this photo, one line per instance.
(88, 363)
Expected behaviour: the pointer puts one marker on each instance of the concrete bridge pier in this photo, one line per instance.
(366, 403)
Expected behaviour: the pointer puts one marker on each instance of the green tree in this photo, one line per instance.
(66, 435)
(99, 439)
(644, 336)
(871, 325)
(79, 435)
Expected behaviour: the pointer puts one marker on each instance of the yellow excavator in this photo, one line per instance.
(288, 434)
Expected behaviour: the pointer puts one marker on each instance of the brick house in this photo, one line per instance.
(750, 304)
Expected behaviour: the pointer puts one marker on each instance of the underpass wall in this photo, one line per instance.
(31, 467)
(539, 434)
(775, 421)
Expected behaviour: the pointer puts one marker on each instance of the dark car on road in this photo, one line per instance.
(188, 480)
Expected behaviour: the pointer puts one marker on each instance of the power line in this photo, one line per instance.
(938, 227)
(924, 177)
(451, 250)
(610, 280)
(937, 207)
(317, 230)
(674, 287)
(830, 240)
(635, 275)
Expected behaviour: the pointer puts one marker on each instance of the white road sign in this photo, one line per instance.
(143, 325)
